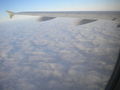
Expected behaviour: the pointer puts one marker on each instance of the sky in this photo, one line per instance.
(58, 5)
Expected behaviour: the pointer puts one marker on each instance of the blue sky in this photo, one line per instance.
(58, 5)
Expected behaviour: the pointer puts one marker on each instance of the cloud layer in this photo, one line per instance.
(57, 55)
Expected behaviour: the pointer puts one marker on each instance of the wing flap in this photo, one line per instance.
(45, 18)
(85, 21)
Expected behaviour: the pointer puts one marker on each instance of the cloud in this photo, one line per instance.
(58, 55)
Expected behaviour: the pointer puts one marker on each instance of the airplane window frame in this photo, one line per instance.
(114, 82)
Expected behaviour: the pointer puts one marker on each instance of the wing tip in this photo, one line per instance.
(10, 13)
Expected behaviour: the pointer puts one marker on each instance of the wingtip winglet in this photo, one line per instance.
(10, 13)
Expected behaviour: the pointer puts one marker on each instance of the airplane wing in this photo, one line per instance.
(85, 16)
